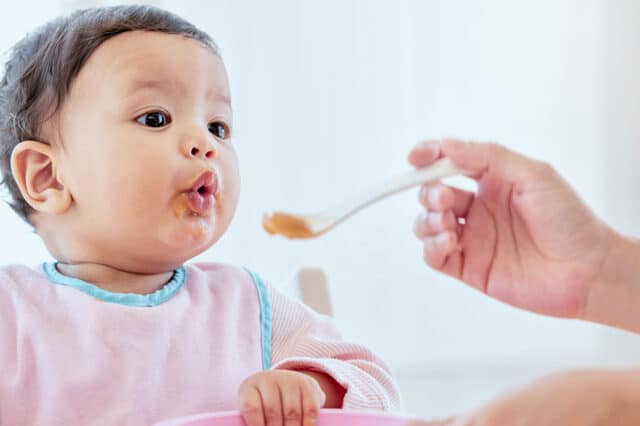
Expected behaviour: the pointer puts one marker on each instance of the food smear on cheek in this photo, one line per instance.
(179, 206)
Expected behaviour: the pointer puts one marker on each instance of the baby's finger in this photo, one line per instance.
(291, 406)
(271, 403)
(431, 223)
(438, 247)
(437, 196)
(425, 153)
(250, 406)
(312, 400)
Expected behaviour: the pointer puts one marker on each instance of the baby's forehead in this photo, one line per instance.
(139, 60)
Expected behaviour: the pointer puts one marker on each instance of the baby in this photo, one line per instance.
(116, 146)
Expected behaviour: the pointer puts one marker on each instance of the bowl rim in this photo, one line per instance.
(331, 412)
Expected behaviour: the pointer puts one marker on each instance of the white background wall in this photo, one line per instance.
(329, 96)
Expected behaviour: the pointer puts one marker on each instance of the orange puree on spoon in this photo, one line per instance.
(287, 225)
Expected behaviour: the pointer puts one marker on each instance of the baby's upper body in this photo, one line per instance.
(116, 146)
(75, 354)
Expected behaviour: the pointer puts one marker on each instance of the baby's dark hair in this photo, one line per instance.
(42, 66)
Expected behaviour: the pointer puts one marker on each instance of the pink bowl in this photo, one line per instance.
(327, 417)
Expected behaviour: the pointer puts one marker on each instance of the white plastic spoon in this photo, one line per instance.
(298, 226)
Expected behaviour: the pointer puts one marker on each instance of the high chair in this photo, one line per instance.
(312, 287)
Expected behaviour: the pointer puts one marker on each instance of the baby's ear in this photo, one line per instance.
(33, 166)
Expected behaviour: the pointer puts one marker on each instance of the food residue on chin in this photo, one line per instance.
(287, 225)
(179, 206)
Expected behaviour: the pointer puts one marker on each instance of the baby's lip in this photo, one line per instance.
(200, 196)
(206, 184)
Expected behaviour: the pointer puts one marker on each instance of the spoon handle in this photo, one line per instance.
(438, 170)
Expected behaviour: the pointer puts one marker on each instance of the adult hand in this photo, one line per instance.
(525, 237)
(576, 398)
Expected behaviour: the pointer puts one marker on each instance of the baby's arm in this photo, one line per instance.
(312, 368)
(309, 343)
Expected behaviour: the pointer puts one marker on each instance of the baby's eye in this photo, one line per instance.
(218, 129)
(154, 119)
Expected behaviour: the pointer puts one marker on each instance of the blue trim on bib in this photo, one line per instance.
(128, 299)
(265, 319)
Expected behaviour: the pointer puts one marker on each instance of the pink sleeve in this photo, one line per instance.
(305, 340)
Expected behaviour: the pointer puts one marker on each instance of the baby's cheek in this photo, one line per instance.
(228, 197)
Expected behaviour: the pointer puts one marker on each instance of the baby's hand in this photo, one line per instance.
(280, 398)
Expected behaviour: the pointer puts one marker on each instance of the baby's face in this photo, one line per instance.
(146, 150)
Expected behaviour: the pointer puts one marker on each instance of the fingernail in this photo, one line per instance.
(436, 150)
(434, 195)
(433, 145)
(442, 240)
(424, 192)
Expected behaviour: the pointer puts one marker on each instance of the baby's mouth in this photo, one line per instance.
(200, 198)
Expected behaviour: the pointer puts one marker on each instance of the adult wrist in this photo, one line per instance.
(614, 296)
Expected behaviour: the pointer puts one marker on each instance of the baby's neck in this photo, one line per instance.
(115, 280)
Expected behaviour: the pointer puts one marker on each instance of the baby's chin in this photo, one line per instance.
(177, 241)
(187, 243)
(168, 258)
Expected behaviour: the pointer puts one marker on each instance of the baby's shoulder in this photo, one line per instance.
(221, 276)
(15, 276)
(215, 271)
(215, 276)
(21, 285)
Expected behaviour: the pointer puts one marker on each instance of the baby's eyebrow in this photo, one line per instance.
(173, 86)
(220, 97)
(163, 85)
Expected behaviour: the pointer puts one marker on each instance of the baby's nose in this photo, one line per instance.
(199, 146)
(207, 151)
